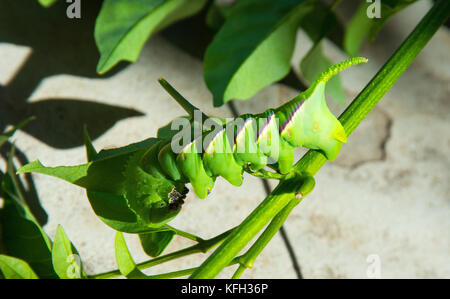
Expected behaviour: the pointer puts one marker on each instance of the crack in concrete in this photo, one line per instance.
(382, 145)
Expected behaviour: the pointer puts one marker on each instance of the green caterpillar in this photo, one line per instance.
(142, 186)
(305, 121)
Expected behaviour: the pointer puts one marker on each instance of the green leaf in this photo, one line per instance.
(105, 182)
(47, 3)
(253, 48)
(72, 174)
(166, 131)
(127, 266)
(23, 237)
(14, 268)
(91, 153)
(123, 26)
(362, 27)
(313, 64)
(6, 135)
(65, 258)
(155, 243)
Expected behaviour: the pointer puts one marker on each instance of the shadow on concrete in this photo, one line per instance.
(59, 46)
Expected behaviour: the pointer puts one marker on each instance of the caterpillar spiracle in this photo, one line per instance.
(256, 141)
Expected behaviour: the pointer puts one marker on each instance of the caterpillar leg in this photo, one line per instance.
(219, 159)
(190, 163)
(271, 144)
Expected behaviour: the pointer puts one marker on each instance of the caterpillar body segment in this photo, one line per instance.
(245, 148)
(191, 164)
(219, 153)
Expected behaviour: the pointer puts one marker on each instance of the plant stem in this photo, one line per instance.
(247, 260)
(202, 247)
(277, 200)
(174, 274)
(186, 234)
(184, 272)
(313, 160)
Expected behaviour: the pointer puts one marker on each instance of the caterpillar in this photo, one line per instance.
(142, 186)
(256, 141)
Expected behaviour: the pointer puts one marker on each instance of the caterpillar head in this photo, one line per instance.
(169, 205)
(154, 198)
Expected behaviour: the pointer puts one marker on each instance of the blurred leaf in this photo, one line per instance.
(22, 235)
(123, 26)
(313, 64)
(6, 135)
(47, 3)
(14, 268)
(357, 30)
(362, 27)
(155, 243)
(217, 14)
(319, 22)
(253, 48)
(125, 262)
(388, 9)
(65, 258)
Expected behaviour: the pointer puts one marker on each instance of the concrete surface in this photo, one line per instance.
(386, 195)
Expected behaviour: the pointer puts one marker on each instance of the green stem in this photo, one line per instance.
(313, 160)
(174, 274)
(244, 233)
(186, 234)
(182, 273)
(201, 247)
(247, 260)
